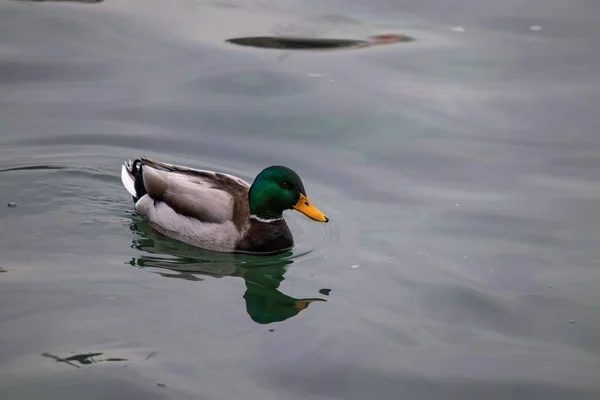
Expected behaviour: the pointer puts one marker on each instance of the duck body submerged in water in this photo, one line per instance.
(217, 211)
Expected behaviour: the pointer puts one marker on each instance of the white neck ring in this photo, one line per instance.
(266, 221)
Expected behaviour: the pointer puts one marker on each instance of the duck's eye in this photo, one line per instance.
(285, 184)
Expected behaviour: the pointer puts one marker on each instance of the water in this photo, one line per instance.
(460, 172)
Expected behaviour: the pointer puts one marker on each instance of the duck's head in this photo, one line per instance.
(278, 188)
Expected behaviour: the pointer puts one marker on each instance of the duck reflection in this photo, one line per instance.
(265, 304)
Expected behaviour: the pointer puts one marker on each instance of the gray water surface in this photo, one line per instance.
(460, 172)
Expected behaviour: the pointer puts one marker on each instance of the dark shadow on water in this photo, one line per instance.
(300, 43)
(34, 168)
(263, 275)
(62, 1)
(273, 42)
(83, 359)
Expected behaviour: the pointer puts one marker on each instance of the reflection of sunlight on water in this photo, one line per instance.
(262, 274)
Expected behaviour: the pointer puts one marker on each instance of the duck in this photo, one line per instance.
(218, 211)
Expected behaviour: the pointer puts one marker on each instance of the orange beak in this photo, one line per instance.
(305, 206)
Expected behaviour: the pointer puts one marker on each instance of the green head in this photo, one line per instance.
(278, 188)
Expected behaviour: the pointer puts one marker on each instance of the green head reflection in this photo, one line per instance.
(264, 303)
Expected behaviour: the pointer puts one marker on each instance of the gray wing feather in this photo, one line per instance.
(191, 195)
(233, 182)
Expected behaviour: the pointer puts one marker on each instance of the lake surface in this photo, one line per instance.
(460, 172)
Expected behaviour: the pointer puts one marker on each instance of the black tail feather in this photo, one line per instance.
(136, 172)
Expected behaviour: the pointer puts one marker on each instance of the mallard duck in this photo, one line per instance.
(218, 211)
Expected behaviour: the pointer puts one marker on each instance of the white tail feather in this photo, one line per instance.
(128, 180)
